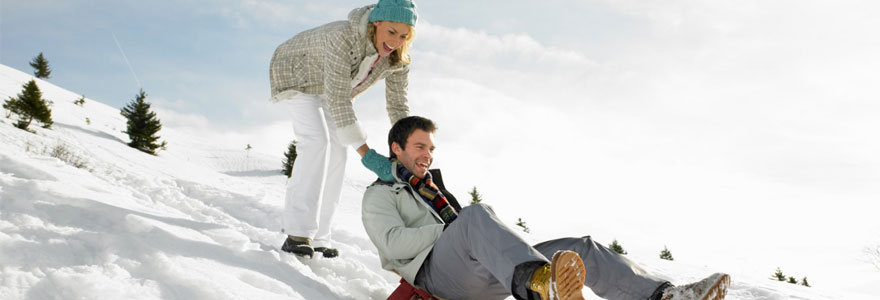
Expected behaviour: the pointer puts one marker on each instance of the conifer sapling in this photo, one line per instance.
(779, 275)
(616, 247)
(142, 125)
(666, 254)
(30, 105)
(41, 67)
(289, 158)
(475, 196)
(522, 224)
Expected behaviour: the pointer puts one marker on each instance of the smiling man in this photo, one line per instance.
(425, 236)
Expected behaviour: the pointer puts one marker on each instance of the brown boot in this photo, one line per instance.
(562, 279)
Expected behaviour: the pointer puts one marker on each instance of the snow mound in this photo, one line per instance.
(199, 221)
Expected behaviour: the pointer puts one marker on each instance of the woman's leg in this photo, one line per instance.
(336, 157)
(305, 188)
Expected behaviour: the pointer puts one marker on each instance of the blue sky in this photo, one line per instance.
(211, 57)
(644, 106)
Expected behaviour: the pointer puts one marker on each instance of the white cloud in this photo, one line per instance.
(245, 13)
(508, 63)
(722, 111)
(715, 103)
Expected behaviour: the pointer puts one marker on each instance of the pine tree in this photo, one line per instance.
(142, 125)
(81, 101)
(874, 255)
(475, 196)
(41, 67)
(666, 254)
(778, 275)
(289, 158)
(30, 105)
(792, 280)
(804, 282)
(616, 247)
(522, 224)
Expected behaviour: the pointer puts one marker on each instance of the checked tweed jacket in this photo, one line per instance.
(325, 60)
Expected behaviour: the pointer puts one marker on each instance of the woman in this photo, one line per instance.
(318, 73)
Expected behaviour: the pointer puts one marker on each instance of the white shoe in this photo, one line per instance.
(713, 287)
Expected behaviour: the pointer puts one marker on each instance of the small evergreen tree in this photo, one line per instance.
(666, 254)
(142, 125)
(873, 256)
(289, 158)
(792, 280)
(30, 105)
(81, 101)
(616, 247)
(41, 67)
(779, 275)
(475, 196)
(522, 224)
(804, 282)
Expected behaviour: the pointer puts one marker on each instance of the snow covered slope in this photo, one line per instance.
(198, 221)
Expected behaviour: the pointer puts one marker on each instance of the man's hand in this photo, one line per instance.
(362, 150)
(379, 164)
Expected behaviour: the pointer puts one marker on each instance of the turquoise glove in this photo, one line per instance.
(379, 164)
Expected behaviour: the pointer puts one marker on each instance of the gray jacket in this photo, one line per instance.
(325, 60)
(401, 225)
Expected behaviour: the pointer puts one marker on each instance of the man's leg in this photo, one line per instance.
(475, 257)
(610, 275)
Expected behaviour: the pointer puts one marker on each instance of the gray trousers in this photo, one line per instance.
(475, 257)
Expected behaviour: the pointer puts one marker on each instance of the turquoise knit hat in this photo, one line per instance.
(402, 11)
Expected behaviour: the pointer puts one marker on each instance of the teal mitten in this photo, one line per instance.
(379, 164)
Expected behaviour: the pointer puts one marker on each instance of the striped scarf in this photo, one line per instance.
(429, 192)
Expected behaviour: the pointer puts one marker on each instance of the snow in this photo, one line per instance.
(198, 221)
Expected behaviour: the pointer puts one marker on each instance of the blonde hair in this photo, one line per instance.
(401, 54)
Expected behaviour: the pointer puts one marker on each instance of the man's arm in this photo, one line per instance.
(386, 228)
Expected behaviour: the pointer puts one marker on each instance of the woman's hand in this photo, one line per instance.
(377, 163)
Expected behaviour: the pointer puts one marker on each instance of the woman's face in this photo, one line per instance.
(390, 36)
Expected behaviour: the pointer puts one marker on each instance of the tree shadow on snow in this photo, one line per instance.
(96, 133)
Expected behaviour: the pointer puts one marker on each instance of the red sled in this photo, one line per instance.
(406, 291)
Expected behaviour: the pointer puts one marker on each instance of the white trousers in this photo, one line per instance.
(315, 184)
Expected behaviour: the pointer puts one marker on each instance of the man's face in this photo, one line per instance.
(418, 154)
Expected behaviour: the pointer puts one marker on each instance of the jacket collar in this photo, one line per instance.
(394, 164)
(358, 19)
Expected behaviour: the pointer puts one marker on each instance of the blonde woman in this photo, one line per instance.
(318, 73)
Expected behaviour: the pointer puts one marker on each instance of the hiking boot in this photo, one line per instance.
(713, 287)
(299, 246)
(562, 279)
(327, 252)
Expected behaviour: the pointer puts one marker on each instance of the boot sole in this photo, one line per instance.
(718, 290)
(567, 275)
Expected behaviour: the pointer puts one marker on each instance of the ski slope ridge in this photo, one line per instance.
(198, 221)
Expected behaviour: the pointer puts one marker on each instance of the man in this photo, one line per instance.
(422, 234)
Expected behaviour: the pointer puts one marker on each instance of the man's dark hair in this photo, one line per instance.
(401, 131)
